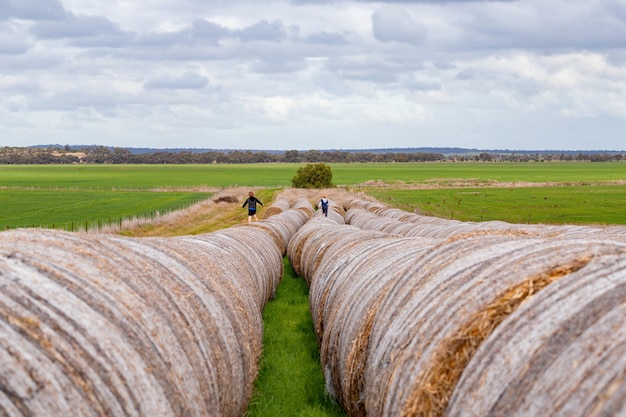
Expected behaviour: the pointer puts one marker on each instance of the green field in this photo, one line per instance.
(52, 195)
(279, 175)
(555, 205)
(86, 209)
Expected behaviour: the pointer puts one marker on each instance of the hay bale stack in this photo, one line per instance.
(310, 245)
(437, 314)
(288, 223)
(103, 325)
(248, 254)
(281, 227)
(443, 228)
(332, 248)
(298, 241)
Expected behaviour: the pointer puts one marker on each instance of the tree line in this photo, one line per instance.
(107, 155)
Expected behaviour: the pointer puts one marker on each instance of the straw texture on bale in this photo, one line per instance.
(278, 206)
(437, 315)
(304, 205)
(282, 226)
(400, 319)
(345, 294)
(561, 353)
(112, 326)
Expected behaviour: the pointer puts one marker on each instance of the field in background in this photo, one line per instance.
(69, 195)
(279, 175)
(86, 209)
(556, 205)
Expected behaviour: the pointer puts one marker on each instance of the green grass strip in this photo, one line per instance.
(290, 380)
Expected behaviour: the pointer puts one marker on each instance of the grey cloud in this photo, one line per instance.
(203, 32)
(616, 8)
(188, 81)
(31, 9)
(264, 31)
(11, 47)
(467, 74)
(395, 24)
(11, 44)
(206, 30)
(278, 66)
(363, 70)
(83, 31)
(407, 1)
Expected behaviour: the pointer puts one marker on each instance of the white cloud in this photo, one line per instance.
(339, 74)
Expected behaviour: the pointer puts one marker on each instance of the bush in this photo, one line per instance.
(313, 176)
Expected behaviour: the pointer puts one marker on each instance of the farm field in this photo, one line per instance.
(279, 175)
(290, 379)
(84, 209)
(570, 192)
(601, 205)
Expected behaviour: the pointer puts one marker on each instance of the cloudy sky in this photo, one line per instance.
(305, 74)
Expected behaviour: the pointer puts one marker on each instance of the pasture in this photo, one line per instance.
(290, 380)
(577, 192)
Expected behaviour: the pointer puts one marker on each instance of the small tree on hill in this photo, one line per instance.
(313, 176)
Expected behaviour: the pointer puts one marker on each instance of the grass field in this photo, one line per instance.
(557, 205)
(62, 194)
(71, 209)
(110, 177)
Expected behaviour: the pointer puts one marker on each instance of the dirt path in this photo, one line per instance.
(222, 211)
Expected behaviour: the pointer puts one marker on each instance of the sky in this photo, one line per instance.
(305, 74)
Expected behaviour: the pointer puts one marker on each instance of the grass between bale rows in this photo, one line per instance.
(290, 380)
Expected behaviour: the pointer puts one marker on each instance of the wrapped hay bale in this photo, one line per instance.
(339, 243)
(345, 294)
(111, 326)
(561, 353)
(436, 316)
(247, 256)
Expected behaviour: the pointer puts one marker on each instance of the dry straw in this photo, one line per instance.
(278, 206)
(561, 353)
(400, 320)
(113, 326)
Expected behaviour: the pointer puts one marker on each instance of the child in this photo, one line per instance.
(251, 201)
(324, 205)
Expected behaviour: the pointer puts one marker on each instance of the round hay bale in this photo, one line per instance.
(346, 292)
(437, 315)
(304, 205)
(278, 206)
(561, 353)
(103, 325)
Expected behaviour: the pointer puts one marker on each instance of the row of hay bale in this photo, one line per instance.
(100, 325)
(377, 216)
(502, 324)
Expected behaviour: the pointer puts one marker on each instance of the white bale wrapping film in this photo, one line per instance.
(97, 325)
(431, 325)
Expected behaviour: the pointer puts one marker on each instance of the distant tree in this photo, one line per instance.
(313, 176)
